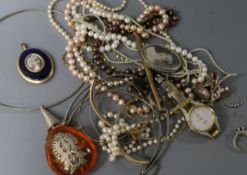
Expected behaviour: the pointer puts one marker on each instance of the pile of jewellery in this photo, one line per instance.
(143, 88)
(163, 86)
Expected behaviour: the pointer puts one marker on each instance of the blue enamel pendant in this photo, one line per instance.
(35, 65)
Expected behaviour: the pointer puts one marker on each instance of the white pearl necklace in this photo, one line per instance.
(111, 40)
(202, 68)
(53, 21)
(83, 71)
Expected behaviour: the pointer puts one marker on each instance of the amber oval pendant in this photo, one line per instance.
(69, 151)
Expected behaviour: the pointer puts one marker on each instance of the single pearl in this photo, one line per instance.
(114, 46)
(194, 81)
(139, 147)
(96, 36)
(75, 72)
(133, 45)
(101, 49)
(103, 88)
(189, 55)
(184, 52)
(121, 17)
(71, 67)
(110, 114)
(162, 11)
(113, 36)
(71, 61)
(119, 36)
(200, 79)
(204, 74)
(194, 59)
(146, 108)
(161, 26)
(133, 28)
(92, 74)
(187, 90)
(227, 88)
(115, 97)
(89, 49)
(107, 48)
(151, 8)
(129, 43)
(101, 124)
(107, 37)
(81, 76)
(121, 102)
(139, 110)
(144, 144)
(127, 27)
(155, 29)
(112, 158)
(171, 134)
(157, 8)
(124, 39)
(133, 110)
(179, 49)
(86, 78)
(127, 20)
(86, 69)
(139, 30)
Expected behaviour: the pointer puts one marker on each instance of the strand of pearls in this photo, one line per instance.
(109, 139)
(201, 72)
(84, 72)
(97, 4)
(140, 133)
(145, 5)
(133, 147)
(53, 21)
(71, 15)
(112, 40)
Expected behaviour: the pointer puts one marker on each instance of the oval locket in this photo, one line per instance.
(161, 58)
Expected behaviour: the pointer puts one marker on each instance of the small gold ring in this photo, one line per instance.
(238, 133)
(235, 105)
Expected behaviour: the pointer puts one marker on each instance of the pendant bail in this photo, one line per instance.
(24, 46)
(50, 119)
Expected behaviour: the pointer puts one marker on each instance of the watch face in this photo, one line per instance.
(201, 118)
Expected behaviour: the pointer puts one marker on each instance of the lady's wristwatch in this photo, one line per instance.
(201, 118)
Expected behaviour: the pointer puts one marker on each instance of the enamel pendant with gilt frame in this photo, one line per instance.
(35, 65)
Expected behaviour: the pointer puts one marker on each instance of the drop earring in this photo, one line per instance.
(35, 65)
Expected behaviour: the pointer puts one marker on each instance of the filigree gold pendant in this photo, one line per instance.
(68, 150)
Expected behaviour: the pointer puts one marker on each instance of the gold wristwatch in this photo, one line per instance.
(201, 118)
